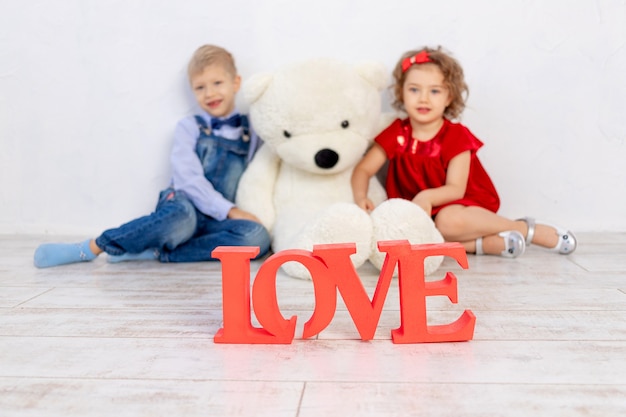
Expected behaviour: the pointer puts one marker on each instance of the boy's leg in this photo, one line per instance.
(213, 233)
(147, 255)
(54, 254)
(173, 222)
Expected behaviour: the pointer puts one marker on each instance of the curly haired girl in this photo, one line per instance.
(433, 163)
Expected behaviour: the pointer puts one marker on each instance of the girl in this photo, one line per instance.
(433, 162)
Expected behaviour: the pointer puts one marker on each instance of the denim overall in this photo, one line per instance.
(223, 160)
(176, 230)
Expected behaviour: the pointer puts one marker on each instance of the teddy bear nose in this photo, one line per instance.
(326, 158)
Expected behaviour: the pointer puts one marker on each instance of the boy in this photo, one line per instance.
(196, 213)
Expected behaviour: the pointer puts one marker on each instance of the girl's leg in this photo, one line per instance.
(566, 240)
(465, 224)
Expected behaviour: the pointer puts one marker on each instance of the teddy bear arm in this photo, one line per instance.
(256, 187)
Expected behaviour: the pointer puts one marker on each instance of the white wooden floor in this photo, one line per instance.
(136, 339)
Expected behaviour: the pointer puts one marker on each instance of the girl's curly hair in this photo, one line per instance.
(453, 80)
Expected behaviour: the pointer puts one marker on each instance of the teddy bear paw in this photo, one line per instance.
(398, 219)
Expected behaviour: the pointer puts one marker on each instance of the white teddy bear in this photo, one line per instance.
(317, 119)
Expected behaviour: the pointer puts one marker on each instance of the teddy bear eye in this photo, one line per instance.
(345, 124)
(286, 134)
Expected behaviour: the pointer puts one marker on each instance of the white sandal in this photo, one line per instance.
(514, 244)
(567, 241)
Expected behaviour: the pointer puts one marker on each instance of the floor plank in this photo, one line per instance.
(136, 339)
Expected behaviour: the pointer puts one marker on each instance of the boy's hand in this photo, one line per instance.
(239, 214)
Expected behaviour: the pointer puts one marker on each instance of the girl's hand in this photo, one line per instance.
(366, 204)
(239, 214)
(424, 203)
(373, 160)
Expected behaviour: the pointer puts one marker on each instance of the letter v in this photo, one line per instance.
(365, 313)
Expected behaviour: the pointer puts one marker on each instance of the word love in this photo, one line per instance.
(332, 271)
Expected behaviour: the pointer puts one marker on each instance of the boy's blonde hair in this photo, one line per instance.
(210, 55)
(453, 80)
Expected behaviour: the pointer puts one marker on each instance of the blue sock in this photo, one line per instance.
(53, 254)
(147, 255)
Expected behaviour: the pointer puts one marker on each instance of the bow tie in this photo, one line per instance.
(233, 121)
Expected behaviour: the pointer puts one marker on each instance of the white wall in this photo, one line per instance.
(90, 92)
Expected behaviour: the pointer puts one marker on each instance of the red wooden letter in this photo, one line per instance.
(342, 276)
(264, 292)
(332, 270)
(236, 299)
(414, 290)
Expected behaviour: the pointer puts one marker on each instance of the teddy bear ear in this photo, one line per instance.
(255, 86)
(373, 72)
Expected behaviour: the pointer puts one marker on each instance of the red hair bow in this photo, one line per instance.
(419, 58)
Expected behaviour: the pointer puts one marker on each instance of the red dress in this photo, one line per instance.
(415, 166)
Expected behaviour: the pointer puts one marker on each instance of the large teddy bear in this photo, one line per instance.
(317, 119)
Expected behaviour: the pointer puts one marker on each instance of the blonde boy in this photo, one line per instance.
(196, 213)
